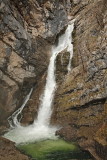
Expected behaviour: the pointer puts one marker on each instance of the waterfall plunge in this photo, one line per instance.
(65, 41)
(41, 129)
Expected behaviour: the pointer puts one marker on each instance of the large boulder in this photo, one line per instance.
(8, 151)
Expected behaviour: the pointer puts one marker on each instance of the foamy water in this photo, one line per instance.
(41, 128)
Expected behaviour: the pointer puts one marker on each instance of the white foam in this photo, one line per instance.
(31, 134)
(41, 128)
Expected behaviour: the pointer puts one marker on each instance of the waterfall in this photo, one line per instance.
(13, 119)
(41, 128)
(44, 113)
(70, 45)
(65, 41)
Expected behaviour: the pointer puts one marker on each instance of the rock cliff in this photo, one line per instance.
(8, 151)
(80, 105)
(28, 28)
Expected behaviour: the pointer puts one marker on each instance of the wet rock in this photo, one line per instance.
(80, 101)
(27, 31)
(30, 111)
(9, 152)
(62, 61)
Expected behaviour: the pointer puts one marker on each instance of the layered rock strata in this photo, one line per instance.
(27, 30)
(8, 151)
(80, 105)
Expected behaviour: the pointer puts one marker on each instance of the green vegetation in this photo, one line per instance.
(51, 150)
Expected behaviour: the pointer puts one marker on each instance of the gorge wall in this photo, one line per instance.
(80, 105)
(28, 28)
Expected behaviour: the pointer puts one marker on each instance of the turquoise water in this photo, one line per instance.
(53, 150)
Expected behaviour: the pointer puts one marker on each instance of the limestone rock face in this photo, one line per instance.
(80, 105)
(9, 152)
(30, 111)
(28, 28)
(62, 61)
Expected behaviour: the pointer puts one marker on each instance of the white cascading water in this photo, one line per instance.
(65, 41)
(41, 128)
(70, 47)
(13, 119)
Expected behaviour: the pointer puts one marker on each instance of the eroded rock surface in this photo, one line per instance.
(27, 30)
(9, 152)
(80, 105)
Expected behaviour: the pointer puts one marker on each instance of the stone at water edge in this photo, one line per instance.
(8, 151)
